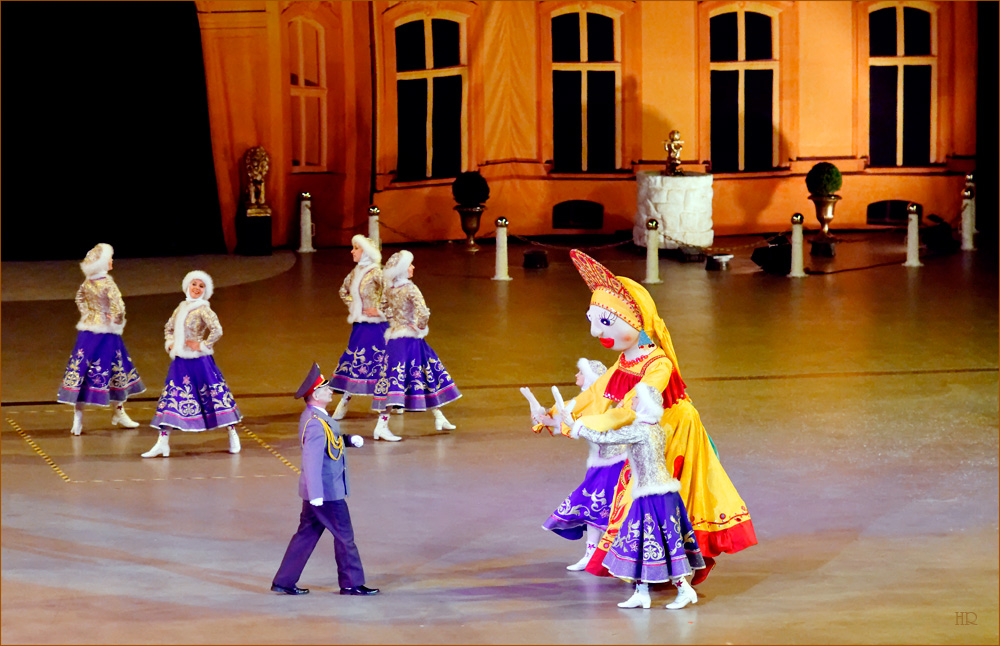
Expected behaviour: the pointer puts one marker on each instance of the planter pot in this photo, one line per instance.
(824, 211)
(470, 224)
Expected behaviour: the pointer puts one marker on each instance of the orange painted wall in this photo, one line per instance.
(822, 103)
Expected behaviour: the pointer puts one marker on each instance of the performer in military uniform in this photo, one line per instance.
(323, 487)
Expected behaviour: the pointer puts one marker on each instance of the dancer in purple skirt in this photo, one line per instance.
(589, 505)
(656, 542)
(411, 376)
(100, 370)
(195, 397)
(358, 370)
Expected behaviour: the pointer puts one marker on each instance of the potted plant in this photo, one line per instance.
(823, 181)
(470, 190)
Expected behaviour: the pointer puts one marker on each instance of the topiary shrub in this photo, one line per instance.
(824, 179)
(470, 189)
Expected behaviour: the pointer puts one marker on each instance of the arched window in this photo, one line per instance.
(902, 77)
(431, 90)
(744, 67)
(586, 90)
(309, 93)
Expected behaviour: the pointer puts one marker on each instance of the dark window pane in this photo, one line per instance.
(757, 126)
(411, 103)
(600, 122)
(446, 127)
(444, 38)
(758, 36)
(916, 115)
(916, 32)
(566, 38)
(725, 121)
(567, 122)
(722, 37)
(600, 38)
(882, 32)
(882, 109)
(410, 47)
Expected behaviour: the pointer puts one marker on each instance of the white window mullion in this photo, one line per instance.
(618, 119)
(583, 119)
(900, 69)
(741, 110)
(429, 125)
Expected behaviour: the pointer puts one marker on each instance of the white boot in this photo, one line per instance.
(234, 440)
(341, 409)
(121, 417)
(582, 563)
(440, 421)
(685, 595)
(77, 420)
(639, 598)
(382, 431)
(162, 447)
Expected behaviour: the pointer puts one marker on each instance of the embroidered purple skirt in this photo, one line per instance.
(588, 504)
(413, 378)
(656, 541)
(358, 370)
(99, 371)
(195, 397)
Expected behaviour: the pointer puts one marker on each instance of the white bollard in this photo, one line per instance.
(913, 237)
(968, 218)
(306, 227)
(652, 253)
(373, 226)
(501, 273)
(797, 262)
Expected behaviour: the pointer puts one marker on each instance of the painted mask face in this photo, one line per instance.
(356, 253)
(197, 288)
(614, 333)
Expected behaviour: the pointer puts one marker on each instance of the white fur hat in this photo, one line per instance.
(203, 277)
(650, 408)
(97, 260)
(368, 247)
(591, 371)
(396, 266)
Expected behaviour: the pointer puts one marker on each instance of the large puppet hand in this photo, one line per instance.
(537, 412)
(357, 441)
(316, 502)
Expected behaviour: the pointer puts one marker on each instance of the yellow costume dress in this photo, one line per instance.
(717, 512)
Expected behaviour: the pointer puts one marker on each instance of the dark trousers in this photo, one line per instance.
(334, 516)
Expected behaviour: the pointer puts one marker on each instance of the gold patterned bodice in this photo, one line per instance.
(369, 291)
(200, 324)
(101, 306)
(406, 311)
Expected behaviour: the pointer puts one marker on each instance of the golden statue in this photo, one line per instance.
(258, 163)
(673, 147)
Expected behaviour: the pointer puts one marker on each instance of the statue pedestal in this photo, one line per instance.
(682, 204)
(253, 231)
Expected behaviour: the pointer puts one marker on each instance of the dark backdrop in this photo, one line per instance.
(987, 117)
(105, 131)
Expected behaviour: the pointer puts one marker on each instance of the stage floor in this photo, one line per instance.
(856, 412)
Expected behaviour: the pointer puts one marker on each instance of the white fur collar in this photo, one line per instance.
(179, 349)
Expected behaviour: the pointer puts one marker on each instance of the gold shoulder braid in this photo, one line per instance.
(333, 442)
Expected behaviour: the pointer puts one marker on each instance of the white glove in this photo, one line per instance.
(537, 412)
(357, 441)
(316, 502)
(575, 431)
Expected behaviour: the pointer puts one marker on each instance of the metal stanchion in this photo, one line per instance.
(969, 214)
(501, 273)
(912, 237)
(652, 253)
(306, 227)
(797, 262)
(373, 226)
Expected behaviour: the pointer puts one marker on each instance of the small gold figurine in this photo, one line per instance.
(673, 147)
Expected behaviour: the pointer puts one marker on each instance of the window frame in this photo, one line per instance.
(776, 64)
(387, 144)
(626, 31)
(866, 62)
(303, 92)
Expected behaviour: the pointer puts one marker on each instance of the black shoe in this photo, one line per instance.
(359, 590)
(292, 590)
